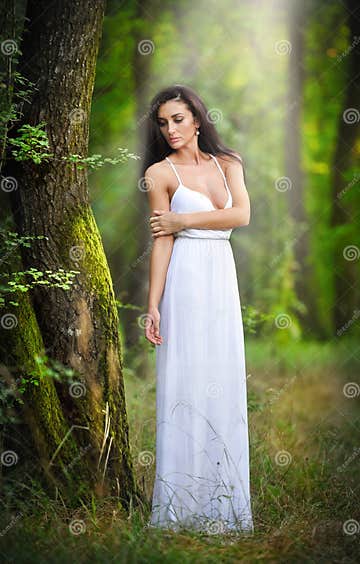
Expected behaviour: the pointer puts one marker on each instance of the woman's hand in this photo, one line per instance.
(152, 326)
(165, 223)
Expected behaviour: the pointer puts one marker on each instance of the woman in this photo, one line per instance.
(197, 195)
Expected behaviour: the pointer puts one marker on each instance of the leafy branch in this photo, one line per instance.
(32, 144)
(97, 161)
(24, 280)
(19, 281)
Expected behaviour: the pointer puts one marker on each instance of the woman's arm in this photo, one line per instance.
(160, 253)
(216, 219)
(238, 215)
(159, 262)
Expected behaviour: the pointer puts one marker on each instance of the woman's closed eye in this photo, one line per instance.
(176, 121)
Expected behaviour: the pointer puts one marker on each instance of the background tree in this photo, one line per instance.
(344, 178)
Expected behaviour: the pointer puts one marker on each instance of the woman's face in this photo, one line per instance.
(176, 123)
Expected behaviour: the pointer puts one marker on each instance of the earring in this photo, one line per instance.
(197, 132)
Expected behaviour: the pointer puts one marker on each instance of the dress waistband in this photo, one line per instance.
(204, 238)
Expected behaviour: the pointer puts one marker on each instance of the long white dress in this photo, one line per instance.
(202, 449)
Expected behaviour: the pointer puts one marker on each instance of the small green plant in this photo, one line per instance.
(11, 240)
(12, 390)
(253, 319)
(15, 90)
(31, 144)
(44, 367)
(23, 280)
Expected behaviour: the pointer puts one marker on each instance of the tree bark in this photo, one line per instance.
(79, 327)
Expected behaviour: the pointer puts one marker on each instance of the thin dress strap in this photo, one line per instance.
(174, 169)
(222, 172)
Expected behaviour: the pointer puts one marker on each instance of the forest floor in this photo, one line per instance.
(304, 423)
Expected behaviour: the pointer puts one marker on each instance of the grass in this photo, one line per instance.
(304, 451)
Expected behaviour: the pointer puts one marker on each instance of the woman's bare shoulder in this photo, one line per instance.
(157, 167)
(229, 160)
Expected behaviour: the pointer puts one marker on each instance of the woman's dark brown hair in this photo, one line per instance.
(156, 146)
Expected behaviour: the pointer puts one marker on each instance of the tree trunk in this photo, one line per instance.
(297, 19)
(138, 276)
(345, 288)
(79, 326)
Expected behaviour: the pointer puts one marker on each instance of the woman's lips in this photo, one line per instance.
(174, 140)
